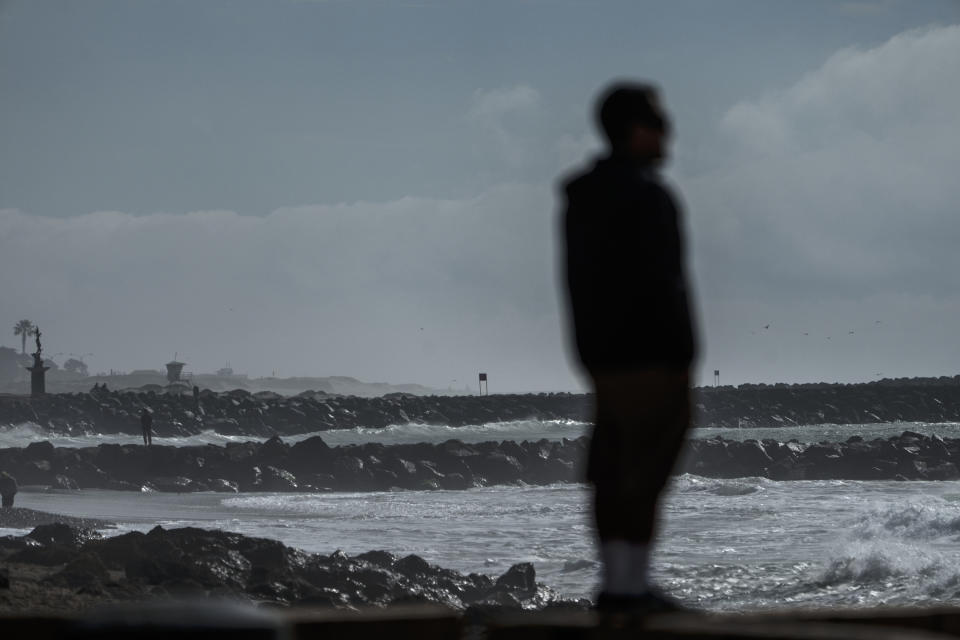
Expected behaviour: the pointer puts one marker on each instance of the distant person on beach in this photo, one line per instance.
(8, 488)
(634, 335)
(146, 425)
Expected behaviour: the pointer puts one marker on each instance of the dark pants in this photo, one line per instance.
(147, 436)
(641, 423)
(8, 499)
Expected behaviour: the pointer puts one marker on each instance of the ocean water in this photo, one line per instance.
(23, 434)
(741, 544)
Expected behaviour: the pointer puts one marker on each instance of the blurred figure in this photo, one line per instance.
(634, 334)
(8, 488)
(146, 425)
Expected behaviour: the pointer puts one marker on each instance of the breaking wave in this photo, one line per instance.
(689, 483)
(23, 434)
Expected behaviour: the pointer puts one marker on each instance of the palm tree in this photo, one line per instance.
(24, 329)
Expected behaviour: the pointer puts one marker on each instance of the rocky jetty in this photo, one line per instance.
(909, 456)
(900, 400)
(265, 414)
(313, 466)
(307, 466)
(75, 568)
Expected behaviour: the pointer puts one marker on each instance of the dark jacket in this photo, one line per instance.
(625, 269)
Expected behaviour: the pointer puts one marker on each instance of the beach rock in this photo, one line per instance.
(83, 571)
(308, 454)
(38, 451)
(520, 578)
(63, 535)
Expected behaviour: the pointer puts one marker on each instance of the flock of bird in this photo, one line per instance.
(769, 327)
(851, 332)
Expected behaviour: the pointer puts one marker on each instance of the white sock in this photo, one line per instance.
(626, 568)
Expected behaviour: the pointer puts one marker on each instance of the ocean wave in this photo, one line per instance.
(689, 483)
(926, 519)
(879, 561)
(904, 549)
(23, 434)
(579, 565)
(416, 432)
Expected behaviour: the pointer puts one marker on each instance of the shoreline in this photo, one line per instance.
(25, 518)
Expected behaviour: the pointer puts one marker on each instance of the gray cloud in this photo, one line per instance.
(834, 208)
(839, 195)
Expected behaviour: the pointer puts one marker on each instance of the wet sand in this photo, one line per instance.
(23, 518)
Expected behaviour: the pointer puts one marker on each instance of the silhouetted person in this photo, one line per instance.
(634, 334)
(146, 425)
(8, 488)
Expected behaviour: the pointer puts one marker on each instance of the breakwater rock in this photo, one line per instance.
(265, 414)
(901, 400)
(909, 456)
(313, 466)
(307, 466)
(56, 560)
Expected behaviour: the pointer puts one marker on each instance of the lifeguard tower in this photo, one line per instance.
(174, 370)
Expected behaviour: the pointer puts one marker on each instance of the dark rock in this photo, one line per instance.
(83, 571)
(412, 566)
(62, 535)
(521, 578)
(383, 559)
(38, 451)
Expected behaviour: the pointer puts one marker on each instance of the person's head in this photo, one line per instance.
(633, 121)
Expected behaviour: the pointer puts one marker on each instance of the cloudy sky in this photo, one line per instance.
(368, 188)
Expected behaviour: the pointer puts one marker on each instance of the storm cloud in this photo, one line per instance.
(835, 210)
(822, 220)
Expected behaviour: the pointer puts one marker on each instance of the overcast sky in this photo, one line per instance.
(368, 188)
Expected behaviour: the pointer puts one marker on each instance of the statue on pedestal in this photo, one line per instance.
(38, 382)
